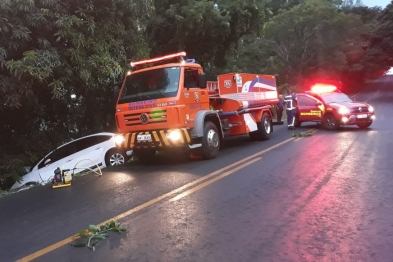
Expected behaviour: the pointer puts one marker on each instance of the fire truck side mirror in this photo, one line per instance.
(202, 80)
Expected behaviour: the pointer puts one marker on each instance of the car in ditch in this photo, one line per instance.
(78, 155)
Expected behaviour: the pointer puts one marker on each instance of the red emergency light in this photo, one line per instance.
(323, 88)
(157, 59)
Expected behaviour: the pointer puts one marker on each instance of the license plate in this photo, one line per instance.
(143, 137)
(362, 116)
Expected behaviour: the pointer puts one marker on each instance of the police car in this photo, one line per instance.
(329, 106)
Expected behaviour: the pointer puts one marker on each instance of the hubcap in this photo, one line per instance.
(116, 159)
(212, 139)
(266, 125)
(330, 121)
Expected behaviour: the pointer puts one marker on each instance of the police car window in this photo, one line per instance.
(306, 101)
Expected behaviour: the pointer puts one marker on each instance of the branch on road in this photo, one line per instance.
(92, 236)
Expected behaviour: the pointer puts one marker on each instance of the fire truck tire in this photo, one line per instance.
(330, 122)
(364, 125)
(210, 141)
(264, 129)
(145, 155)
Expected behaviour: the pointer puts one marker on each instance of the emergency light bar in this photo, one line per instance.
(323, 88)
(157, 59)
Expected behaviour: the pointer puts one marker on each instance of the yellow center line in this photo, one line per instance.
(211, 181)
(68, 240)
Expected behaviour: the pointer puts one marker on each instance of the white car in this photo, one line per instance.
(89, 151)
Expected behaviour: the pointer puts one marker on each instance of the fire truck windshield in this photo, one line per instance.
(151, 84)
(334, 97)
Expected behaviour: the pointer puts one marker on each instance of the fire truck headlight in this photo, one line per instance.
(174, 135)
(119, 139)
(344, 110)
(370, 109)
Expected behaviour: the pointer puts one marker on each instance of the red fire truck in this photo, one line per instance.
(165, 103)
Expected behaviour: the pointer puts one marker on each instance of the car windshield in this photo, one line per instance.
(335, 98)
(152, 84)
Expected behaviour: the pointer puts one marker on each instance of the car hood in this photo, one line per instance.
(32, 177)
(349, 104)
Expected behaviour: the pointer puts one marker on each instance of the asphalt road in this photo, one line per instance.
(327, 197)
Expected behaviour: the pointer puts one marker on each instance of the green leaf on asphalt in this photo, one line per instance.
(94, 228)
(91, 237)
(83, 233)
(301, 134)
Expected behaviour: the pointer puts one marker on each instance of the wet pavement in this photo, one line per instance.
(327, 197)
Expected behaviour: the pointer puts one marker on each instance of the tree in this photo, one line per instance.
(380, 52)
(207, 30)
(50, 50)
(312, 38)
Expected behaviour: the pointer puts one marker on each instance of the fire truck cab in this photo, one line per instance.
(329, 106)
(165, 103)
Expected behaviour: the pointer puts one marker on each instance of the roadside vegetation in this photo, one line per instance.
(59, 60)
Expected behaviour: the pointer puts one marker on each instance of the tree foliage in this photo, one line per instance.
(60, 59)
(380, 52)
(50, 50)
(206, 29)
(311, 39)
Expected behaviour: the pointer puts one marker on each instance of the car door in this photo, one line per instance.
(63, 157)
(195, 98)
(310, 109)
(88, 153)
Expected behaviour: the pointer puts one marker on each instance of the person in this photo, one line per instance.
(291, 104)
(280, 107)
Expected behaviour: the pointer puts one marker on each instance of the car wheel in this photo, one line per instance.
(115, 157)
(330, 122)
(364, 125)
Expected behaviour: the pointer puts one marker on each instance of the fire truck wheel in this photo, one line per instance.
(364, 125)
(264, 129)
(145, 155)
(210, 141)
(330, 122)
